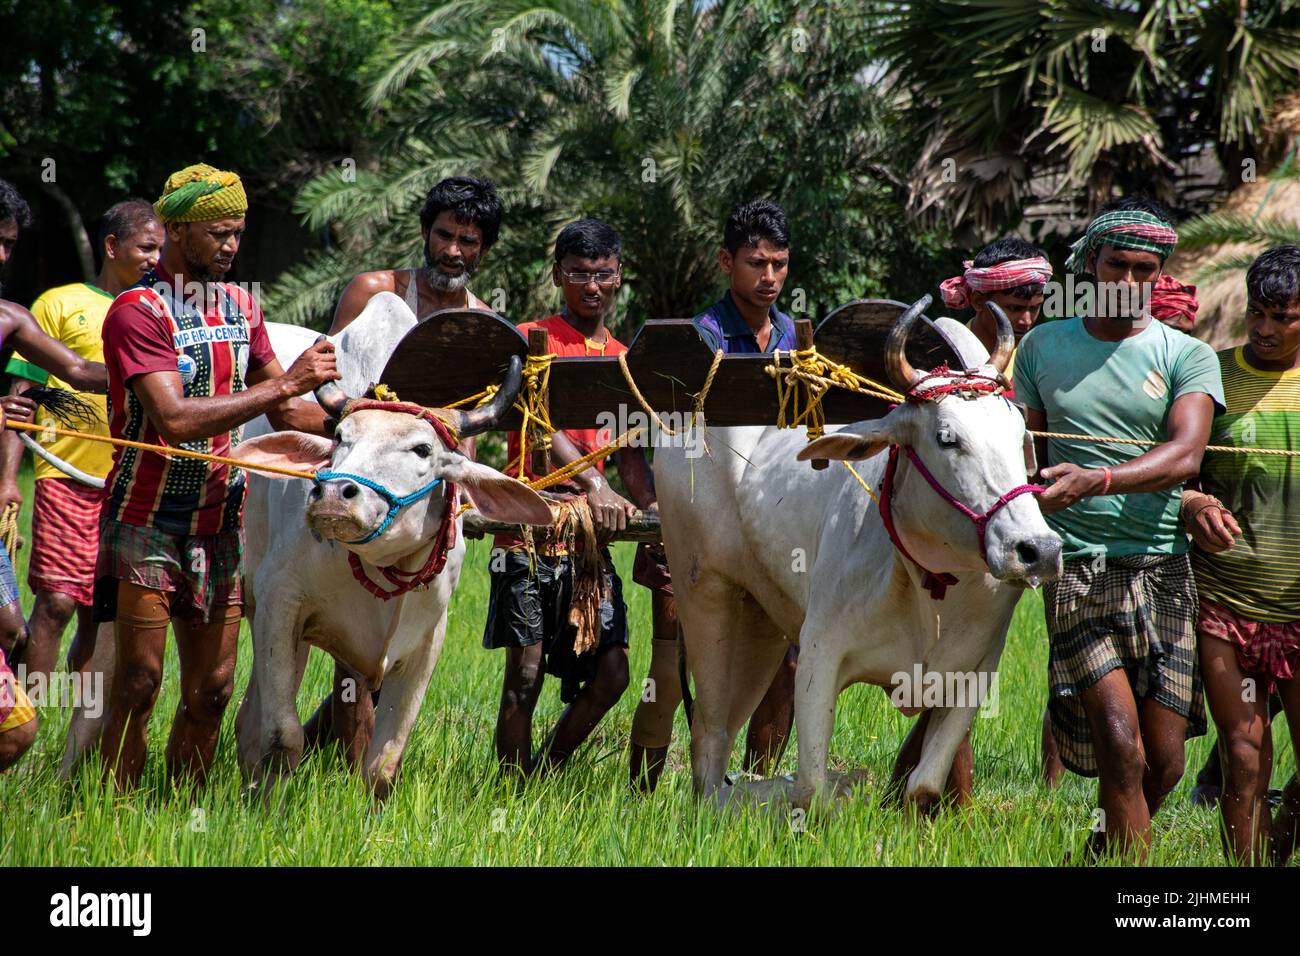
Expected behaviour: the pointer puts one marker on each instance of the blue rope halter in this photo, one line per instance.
(395, 504)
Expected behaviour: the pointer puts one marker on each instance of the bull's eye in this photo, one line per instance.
(424, 451)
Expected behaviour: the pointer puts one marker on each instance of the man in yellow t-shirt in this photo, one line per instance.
(65, 510)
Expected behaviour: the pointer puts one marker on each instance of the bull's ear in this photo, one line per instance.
(849, 444)
(296, 450)
(498, 497)
(1031, 458)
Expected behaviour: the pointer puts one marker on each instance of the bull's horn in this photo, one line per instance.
(900, 369)
(331, 397)
(1001, 356)
(485, 418)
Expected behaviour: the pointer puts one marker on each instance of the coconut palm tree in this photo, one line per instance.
(1090, 94)
(655, 115)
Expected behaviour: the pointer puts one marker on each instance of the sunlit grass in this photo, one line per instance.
(450, 807)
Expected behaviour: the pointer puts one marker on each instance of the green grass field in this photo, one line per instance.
(450, 808)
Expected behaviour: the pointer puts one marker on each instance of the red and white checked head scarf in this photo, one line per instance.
(1170, 298)
(1005, 275)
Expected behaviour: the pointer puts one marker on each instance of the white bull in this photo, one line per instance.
(763, 548)
(303, 591)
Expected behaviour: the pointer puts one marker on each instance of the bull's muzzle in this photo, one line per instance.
(332, 512)
(1033, 559)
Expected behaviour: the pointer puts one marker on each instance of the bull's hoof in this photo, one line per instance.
(924, 803)
(785, 795)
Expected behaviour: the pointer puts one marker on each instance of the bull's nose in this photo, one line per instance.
(1040, 556)
(346, 490)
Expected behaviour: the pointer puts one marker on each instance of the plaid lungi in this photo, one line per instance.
(1137, 612)
(204, 572)
(65, 538)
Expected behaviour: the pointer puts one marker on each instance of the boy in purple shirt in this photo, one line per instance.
(755, 256)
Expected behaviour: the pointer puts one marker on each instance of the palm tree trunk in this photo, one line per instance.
(77, 228)
(1100, 182)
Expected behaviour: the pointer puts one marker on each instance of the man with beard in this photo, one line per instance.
(460, 222)
(189, 362)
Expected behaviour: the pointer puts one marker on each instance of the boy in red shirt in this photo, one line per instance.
(528, 611)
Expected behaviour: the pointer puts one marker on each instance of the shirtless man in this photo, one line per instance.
(459, 222)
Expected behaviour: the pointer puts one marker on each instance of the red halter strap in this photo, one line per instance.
(443, 542)
(968, 383)
(936, 584)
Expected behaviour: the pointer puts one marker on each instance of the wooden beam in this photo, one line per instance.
(456, 352)
(640, 527)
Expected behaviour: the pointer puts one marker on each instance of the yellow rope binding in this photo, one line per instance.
(801, 386)
(536, 427)
(9, 535)
(700, 396)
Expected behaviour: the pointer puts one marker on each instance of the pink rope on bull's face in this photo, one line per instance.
(970, 384)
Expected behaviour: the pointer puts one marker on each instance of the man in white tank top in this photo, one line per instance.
(460, 222)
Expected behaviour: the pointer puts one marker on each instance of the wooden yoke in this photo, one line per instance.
(455, 353)
(803, 339)
(538, 344)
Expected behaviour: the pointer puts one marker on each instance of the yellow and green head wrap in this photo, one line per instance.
(199, 193)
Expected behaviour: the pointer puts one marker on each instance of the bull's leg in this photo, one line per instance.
(756, 657)
(960, 778)
(397, 710)
(709, 609)
(948, 727)
(817, 684)
(250, 737)
(278, 652)
(86, 726)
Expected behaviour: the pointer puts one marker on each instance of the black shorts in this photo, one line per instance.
(526, 609)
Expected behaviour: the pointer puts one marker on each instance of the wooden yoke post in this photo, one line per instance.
(803, 339)
(538, 343)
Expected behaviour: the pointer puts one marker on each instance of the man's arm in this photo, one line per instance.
(1175, 461)
(11, 451)
(609, 509)
(637, 475)
(180, 419)
(359, 291)
(293, 414)
(19, 326)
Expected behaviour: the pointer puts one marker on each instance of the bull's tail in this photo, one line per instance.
(684, 675)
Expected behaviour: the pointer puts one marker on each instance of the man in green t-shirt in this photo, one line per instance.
(1125, 692)
(1244, 521)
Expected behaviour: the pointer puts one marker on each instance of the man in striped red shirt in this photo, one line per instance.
(189, 362)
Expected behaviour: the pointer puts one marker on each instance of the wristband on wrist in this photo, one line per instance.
(1105, 473)
(1194, 502)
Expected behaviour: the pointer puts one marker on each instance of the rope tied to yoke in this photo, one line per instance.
(533, 401)
(700, 396)
(801, 386)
